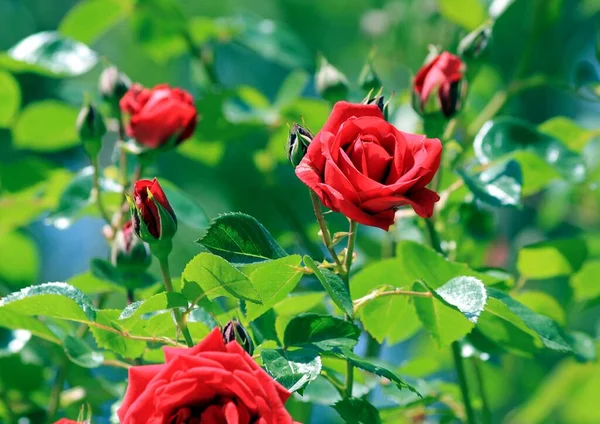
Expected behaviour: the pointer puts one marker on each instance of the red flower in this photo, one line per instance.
(362, 166)
(148, 197)
(67, 421)
(212, 382)
(159, 115)
(440, 77)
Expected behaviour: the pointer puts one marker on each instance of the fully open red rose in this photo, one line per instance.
(440, 77)
(211, 383)
(362, 166)
(159, 115)
(67, 421)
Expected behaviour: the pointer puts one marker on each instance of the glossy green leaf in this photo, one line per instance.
(10, 98)
(553, 258)
(391, 318)
(240, 238)
(503, 136)
(20, 263)
(81, 353)
(324, 331)
(353, 410)
(188, 211)
(158, 302)
(499, 185)
(296, 303)
(292, 369)
(114, 341)
(89, 19)
(568, 132)
(57, 54)
(469, 14)
(585, 282)
(211, 276)
(17, 321)
(542, 303)
(334, 285)
(291, 88)
(273, 280)
(46, 126)
(90, 284)
(56, 300)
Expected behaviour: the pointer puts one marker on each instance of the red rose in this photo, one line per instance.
(440, 77)
(152, 209)
(67, 421)
(159, 115)
(362, 166)
(212, 382)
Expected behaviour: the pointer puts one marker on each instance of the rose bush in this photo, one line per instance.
(362, 166)
(160, 115)
(212, 382)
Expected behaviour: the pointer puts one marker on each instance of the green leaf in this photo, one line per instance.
(273, 280)
(549, 332)
(20, 262)
(89, 19)
(291, 89)
(390, 318)
(568, 132)
(188, 211)
(240, 238)
(56, 300)
(466, 294)
(334, 285)
(158, 302)
(542, 303)
(81, 354)
(585, 281)
(112, 341)
(537, 173)
(324, 331)
(10, 98)
(503, 136)
(444, 322)
(17, 321)
(499, 185)
(469, 14)
(296, 303)
(90, 284)
(355, 411)
(551, 258)
(292, 369)
(55, 53)
(46, 126)
(211, 276)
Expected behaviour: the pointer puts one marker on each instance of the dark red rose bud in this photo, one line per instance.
(234, 331)
(152, 216)
(439, 86)
(160, 117)
(113, 85)
(129, 253)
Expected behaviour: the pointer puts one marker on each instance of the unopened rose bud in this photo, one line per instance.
(331, 84)
(474, 43)
(91, 129)
(368, 79)
(297, 144)
(113, 85)
(154, 221)
(439, 86)
(378, 100)
(234, 331)
(129, 253)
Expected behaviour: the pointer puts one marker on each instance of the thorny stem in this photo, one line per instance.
(324, 230)
(166, 275)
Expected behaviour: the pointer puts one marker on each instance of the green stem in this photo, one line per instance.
(485, 405)
(205, 55)
(324, 230)
(462, 381)
(166, 275)
(59, 382)
(432, 235)
(96, 192)
(346, 277)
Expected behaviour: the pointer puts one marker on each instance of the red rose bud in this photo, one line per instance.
(368, 79)
(160, 117)
(330, 83)
(152, 216)
(129, 253)
(91, 129)
(364, 167)
(113, 85)
(297, 144)
(378, 100)
(438, 86)
(67, 421)
(235, 332)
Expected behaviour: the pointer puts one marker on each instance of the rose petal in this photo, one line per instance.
(342, 111)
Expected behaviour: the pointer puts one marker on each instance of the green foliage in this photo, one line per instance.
(334, 285)
(323, 331)
(292, 369)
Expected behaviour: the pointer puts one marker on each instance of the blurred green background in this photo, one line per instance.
(265, 55)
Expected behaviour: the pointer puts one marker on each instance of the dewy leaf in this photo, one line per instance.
(273, 280)
(240, 238)
(292, 369)
(58, 54)
(213, 277)
(499, 185)
(80, 353)
(56, 300)
(324, 331)
(356, 411)
(467, 294)
(553, 258)
(550, 333)
(334, 285)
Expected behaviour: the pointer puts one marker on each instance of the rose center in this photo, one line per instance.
(370, 158)
(219, 411)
